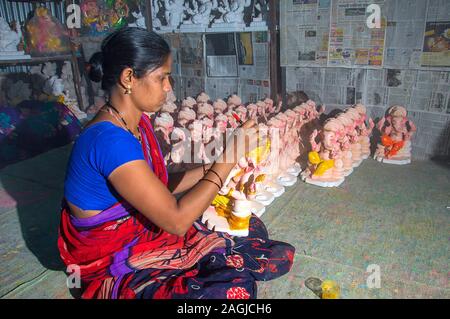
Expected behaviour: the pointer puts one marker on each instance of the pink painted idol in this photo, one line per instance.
(169, 106)
(186, 116)
(396, 132)
(325, 164)
(355, 146)
(219, 106)
(364, 131)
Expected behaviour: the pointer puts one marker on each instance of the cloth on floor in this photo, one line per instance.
(33, 127)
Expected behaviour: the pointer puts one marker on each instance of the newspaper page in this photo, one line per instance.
(404, 36)
(221, 55)
(438, 10)
(252, 91)
(174, 42)
(259, 69)
(176, 87)
(400, 84)
(221, 88)
(254, 81)
(330, 86)
(244, 43)
(436, 44)
(343, 86)
(352, 43)
(422, 90)
(308, 80)
(191, 54)
(440, 96)
(191, 86)
(436, 48)
(304, 32)
(413, 89)
(419, 90)
(375, 92)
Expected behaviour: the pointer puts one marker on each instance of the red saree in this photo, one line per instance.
(121, 254)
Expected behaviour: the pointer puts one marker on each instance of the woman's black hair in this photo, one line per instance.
(135, 48)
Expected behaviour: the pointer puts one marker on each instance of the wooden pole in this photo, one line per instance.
(76, 77)
(274, 50)
(148, 14)
(75, 66)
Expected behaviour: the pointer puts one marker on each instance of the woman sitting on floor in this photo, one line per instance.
(121, 223)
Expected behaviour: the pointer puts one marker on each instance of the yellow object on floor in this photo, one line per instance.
(330, 290)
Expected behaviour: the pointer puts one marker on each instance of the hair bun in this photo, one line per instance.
(96, 69)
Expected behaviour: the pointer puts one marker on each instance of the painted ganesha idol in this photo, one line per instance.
(396, 133)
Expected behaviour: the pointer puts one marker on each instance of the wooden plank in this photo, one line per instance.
(273, 49)
(35, 0)
(148, 14)
(77, 80)
(37, 60)
(75, 69)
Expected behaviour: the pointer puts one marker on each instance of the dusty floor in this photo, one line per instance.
(395, 217)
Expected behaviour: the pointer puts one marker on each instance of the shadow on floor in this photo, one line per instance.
(38, 214)
(35, 185)
(32, 142)
(443, 149)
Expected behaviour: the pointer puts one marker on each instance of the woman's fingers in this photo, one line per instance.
(249, 124)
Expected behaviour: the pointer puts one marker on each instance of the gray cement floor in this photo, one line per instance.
(394, 217)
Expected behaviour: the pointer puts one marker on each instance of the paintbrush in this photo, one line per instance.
(237, 118)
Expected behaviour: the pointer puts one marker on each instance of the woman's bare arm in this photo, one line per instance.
(182, 181)
(139, 186)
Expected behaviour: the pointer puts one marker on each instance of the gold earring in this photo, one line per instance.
(128, 89)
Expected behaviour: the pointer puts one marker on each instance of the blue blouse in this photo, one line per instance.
(97, 152)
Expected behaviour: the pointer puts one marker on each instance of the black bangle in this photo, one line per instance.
(205, 179)
(211, 170)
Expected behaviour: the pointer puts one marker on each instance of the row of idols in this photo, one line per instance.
(299, 142)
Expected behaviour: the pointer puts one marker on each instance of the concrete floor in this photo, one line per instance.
(395, 217)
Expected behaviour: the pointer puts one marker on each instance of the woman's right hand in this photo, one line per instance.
(243, 140)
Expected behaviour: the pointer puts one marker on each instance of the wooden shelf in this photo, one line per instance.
(72, 56)
(37, 60)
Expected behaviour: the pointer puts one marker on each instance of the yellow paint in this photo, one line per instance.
(60, 99)
(260, 178)
(330, 290)
(223, 206)
(260, 153)
(314, 158)
(238, 223)
(222, 201)
(322, 165)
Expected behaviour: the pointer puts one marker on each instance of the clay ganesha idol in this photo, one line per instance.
(364, 132)
(232, 208)
(396, 132)
(325, 166)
